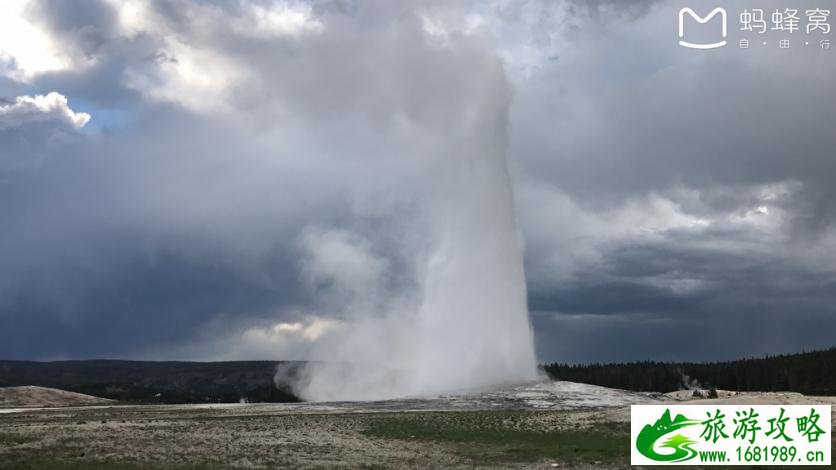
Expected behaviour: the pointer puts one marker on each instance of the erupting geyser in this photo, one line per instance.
(461, 320)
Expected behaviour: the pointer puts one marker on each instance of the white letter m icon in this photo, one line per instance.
(701, 20)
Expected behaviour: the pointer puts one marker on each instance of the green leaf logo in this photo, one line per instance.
(680, 444)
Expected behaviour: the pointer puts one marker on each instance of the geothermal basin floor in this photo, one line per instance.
(542, 425)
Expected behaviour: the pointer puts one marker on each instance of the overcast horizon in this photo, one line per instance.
(174, 182)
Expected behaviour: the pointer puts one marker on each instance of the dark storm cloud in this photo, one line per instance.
(716, 303)
(89, 33)
(117, 246)
(733, 305)
(138, 303)
(737, 142)
(84, 25)
(595, 9)
(675, 279)
(137, 240)
(627, 124)
(126, 240)
(8, 87)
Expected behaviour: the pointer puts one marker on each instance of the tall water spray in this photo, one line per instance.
(461, 320)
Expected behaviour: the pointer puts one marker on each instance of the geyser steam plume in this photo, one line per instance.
(459, 320)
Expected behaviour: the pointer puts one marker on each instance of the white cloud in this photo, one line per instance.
(310, 331)
(285, 340)
(31, 49)
(192, 71)
(53, 106)
(574, 236)
(279, 19)
(194, 77)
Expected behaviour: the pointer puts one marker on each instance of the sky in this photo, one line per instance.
(217, 180)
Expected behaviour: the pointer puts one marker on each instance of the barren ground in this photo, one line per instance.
(30, 396)
(538, 426)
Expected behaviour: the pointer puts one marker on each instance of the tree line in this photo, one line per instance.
(810, 373)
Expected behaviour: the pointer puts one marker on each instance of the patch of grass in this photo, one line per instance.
(10, 439)
(19, 461)
(67, 457)
(39, 460)
(494, 438)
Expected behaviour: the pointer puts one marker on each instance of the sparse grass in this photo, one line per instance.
(38, 461)
(65, 454)
(11, 439)
(491, 438)
(174, 439)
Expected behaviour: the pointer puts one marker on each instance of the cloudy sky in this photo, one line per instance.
(199, 179)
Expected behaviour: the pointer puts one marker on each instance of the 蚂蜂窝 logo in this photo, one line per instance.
(703, 20)
(730, 434)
